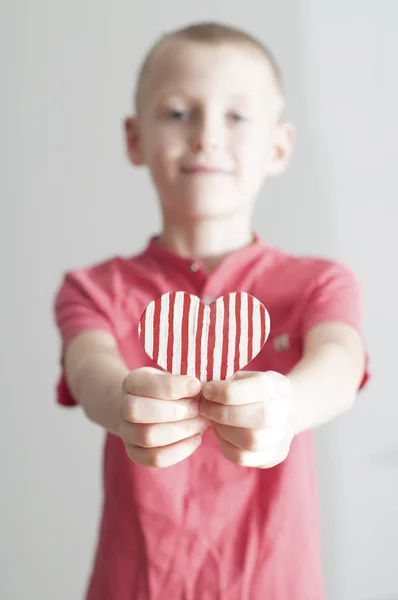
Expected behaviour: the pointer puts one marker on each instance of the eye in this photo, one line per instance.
(178, 115)
(237, 117)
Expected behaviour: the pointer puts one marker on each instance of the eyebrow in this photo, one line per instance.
(172, 92)
(178, 93)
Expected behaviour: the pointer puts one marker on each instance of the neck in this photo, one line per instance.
(208, 240)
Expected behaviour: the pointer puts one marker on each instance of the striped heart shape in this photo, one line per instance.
(186, 337)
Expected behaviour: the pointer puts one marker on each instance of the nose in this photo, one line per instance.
(206, 134)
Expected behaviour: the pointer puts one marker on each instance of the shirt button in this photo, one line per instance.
(207, 300)
(194, 267)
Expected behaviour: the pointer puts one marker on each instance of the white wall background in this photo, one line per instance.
(69, 198)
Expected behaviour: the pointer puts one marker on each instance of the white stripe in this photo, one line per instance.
(163, 330)
(148, 323)
(192, 328)
(219, 339)
(256, 327)
(177, 331)
(267, 324)
(243, 332)
(203, 346)
(231, 335)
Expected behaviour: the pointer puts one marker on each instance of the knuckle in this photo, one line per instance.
(230, 392)
(267, 381)
(178, 387)
(240, 458)
(167, 386)
(136, 378)
(175, 413)
(192, 409)
(179, 411)
(133, 410)
(278, 381)
(275, 457)
(127, 384)
(227, 414)
(147, 436)
(261, 417)
(157, 459)
(123, 431)
(255, 441)
(219, 413)
(123, 407)
(267, 464)
(288, 386)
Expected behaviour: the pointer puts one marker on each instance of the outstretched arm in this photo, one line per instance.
(327, 378)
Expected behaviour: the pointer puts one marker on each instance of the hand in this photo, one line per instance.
(253, 417)
(160, 423)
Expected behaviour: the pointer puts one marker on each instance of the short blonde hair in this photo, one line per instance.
(215, 34)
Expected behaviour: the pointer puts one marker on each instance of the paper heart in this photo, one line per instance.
(186, 337)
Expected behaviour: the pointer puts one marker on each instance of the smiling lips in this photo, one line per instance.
(203, 170)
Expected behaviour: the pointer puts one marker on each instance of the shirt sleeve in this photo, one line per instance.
(80, 304)
(335, 296)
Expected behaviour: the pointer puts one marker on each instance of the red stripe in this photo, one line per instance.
(170, 336)
(238, 331)
(185, 333)
(156, 330)
(249, 327)
(142, 328)
(262, 321)
(211, 342)
(198, 340)
(225, 339)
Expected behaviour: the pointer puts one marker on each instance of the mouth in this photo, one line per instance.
(203, 170)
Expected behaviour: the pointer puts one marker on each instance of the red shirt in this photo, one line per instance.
(207, 529)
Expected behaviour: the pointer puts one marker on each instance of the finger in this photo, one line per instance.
(153, 383)
(251, 440)
(166, 456)
(246, 387)
(136, 409)
(253, 416)
(263, 460)
(161, 434)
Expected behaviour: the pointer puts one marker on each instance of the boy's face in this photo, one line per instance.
(208, 128)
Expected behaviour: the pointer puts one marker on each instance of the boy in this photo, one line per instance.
(234, 514)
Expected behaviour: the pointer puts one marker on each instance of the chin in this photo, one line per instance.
(204, 202)
(199, 211)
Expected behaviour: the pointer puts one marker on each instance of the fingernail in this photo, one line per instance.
(208, 390)
(193, 387)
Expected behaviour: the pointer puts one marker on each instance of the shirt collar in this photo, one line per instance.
(162, 254)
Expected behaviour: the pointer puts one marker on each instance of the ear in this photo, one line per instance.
(133, 141)
(282, 148)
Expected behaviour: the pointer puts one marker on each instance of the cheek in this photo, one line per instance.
(251, 147)
(252, 160)
(156, 140)
(166, 147)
